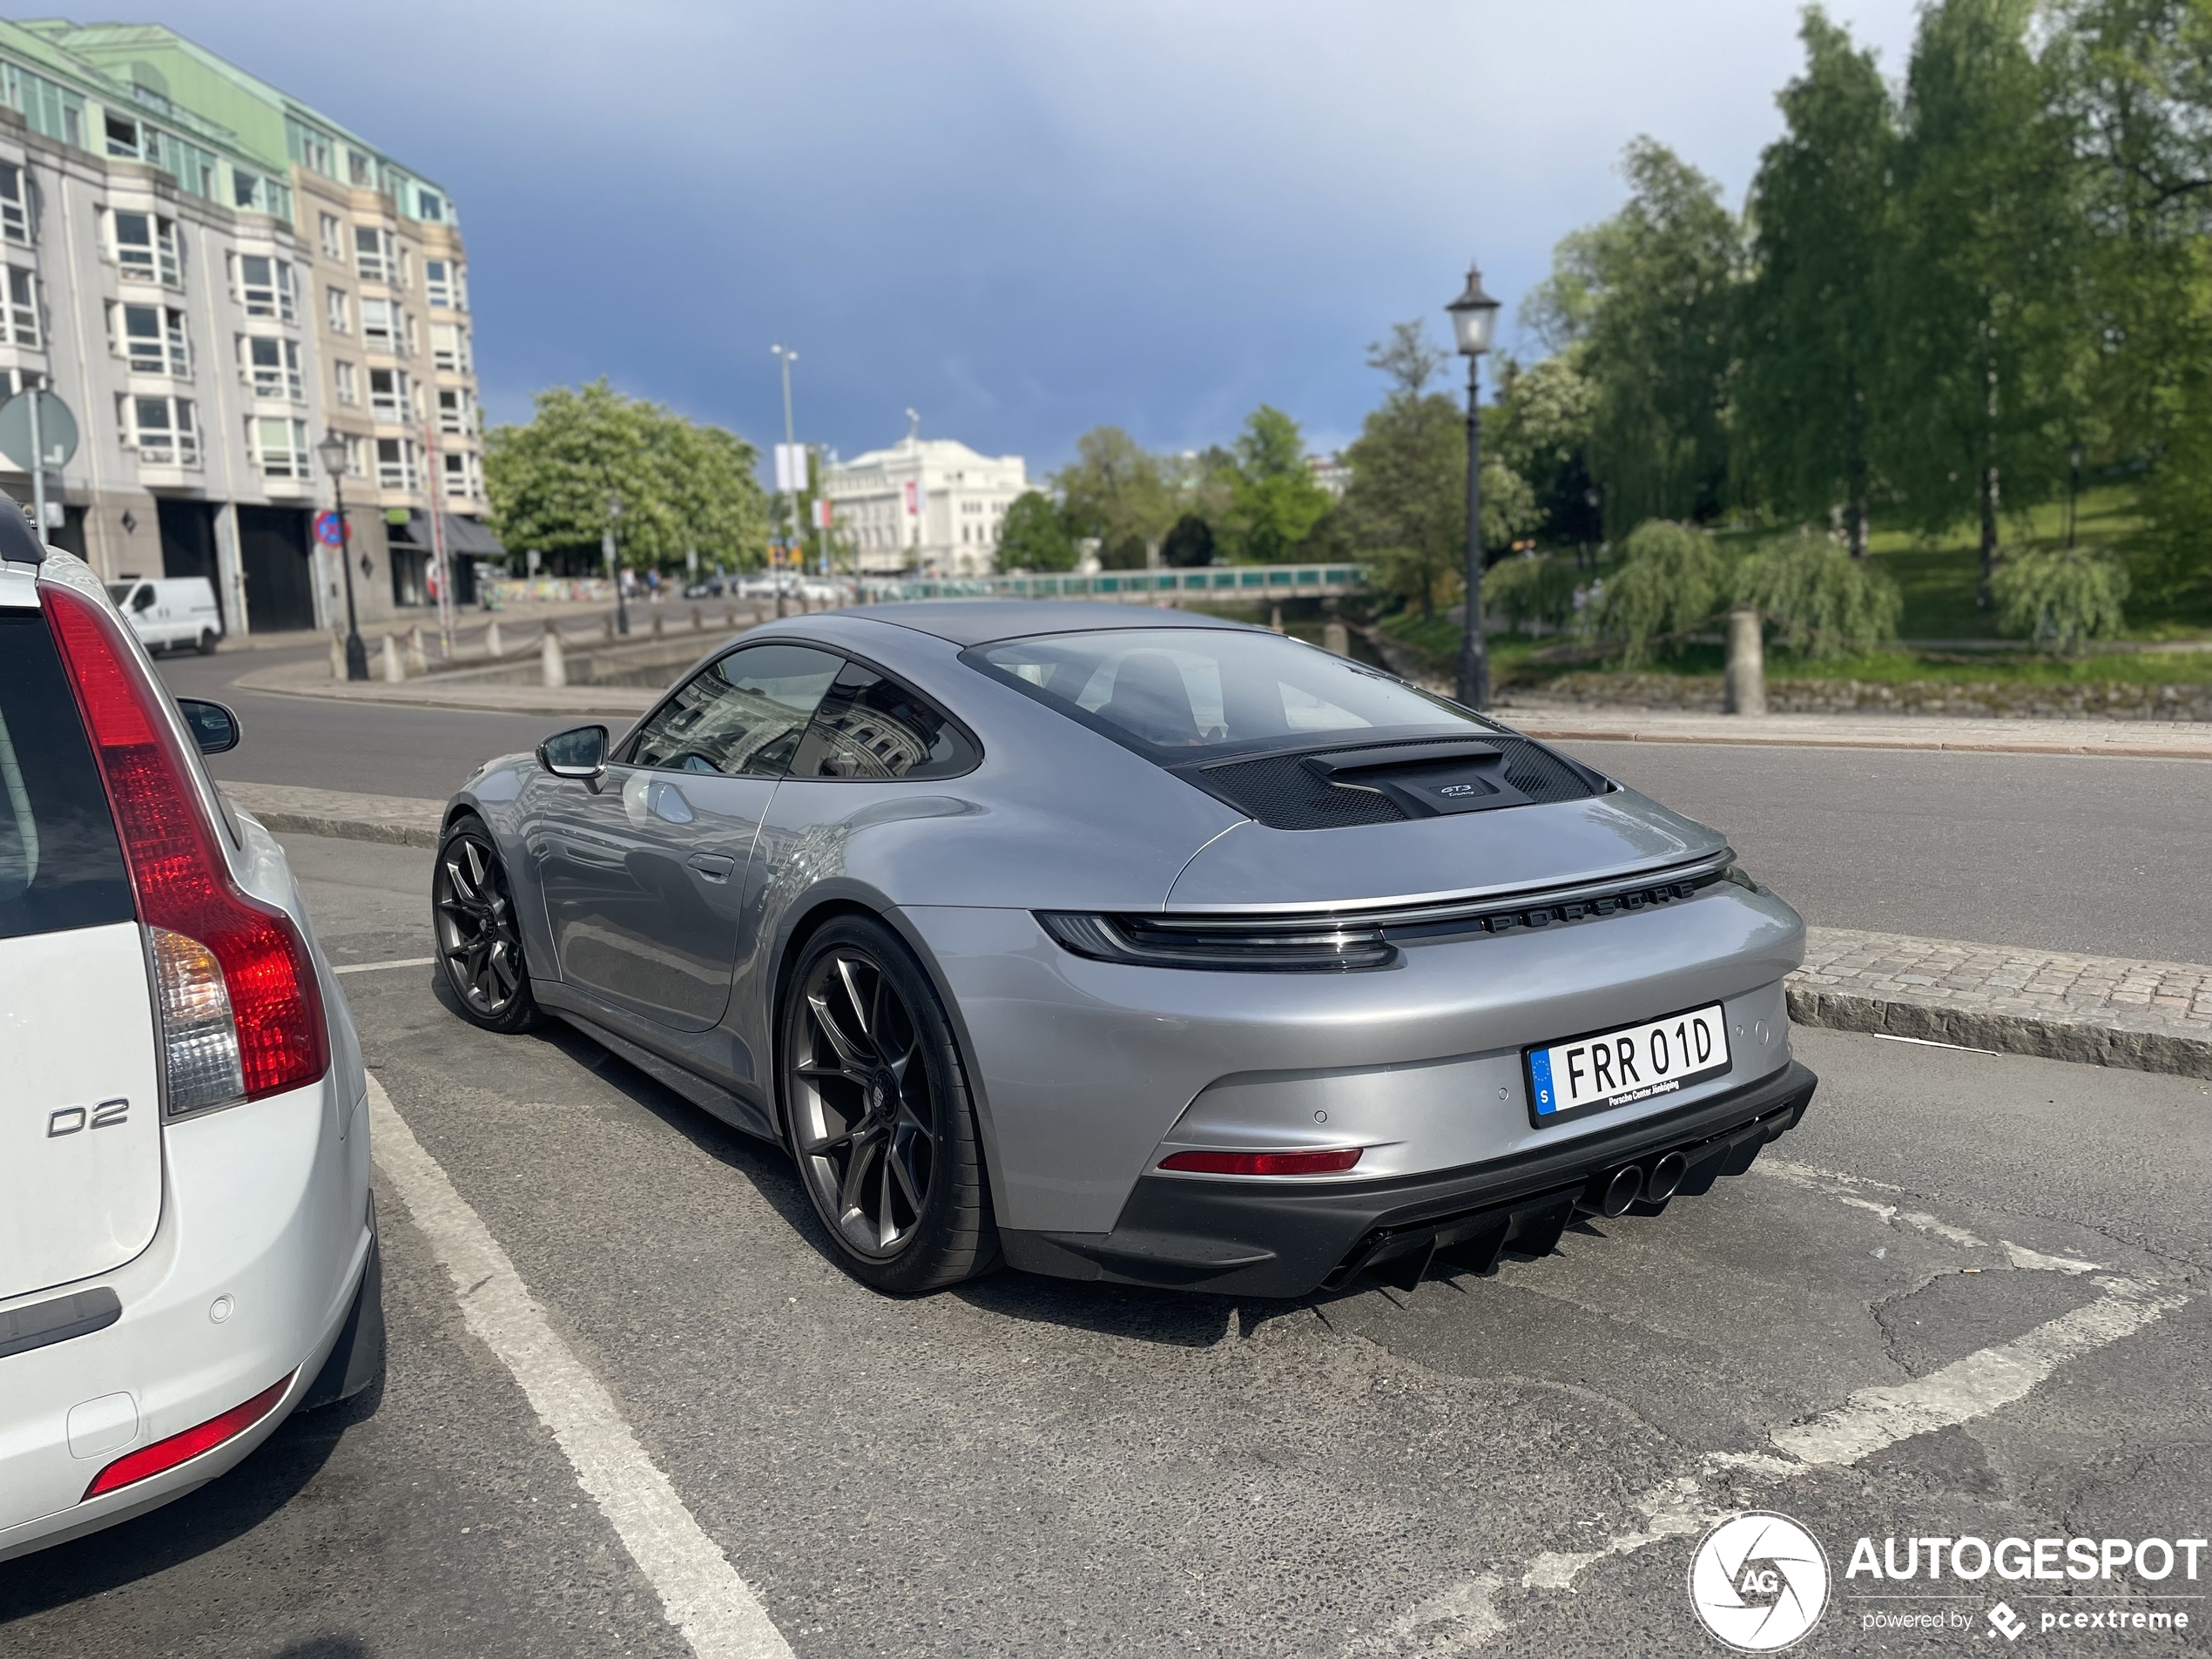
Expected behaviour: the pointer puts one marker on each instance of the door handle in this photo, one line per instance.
(712, 866)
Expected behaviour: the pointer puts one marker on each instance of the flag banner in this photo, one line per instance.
(791, 468)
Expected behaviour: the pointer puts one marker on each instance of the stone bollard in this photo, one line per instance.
(729, 617)
(1746, 664)
(1335, 638)
(607, 628)
(697, 622)
(416, 662)
(1275, 617)
(552, 664)
(337, 654)
(493, 646)
(394, 670)
(656, 624)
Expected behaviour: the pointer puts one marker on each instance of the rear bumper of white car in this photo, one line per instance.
(263, 1235)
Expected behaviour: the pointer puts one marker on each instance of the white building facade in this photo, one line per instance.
(923, 506)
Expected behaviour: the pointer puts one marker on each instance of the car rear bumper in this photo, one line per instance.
(265, 1220)
(1288, 1238)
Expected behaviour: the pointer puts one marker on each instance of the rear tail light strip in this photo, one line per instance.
(163, 1455)
(241, 1014)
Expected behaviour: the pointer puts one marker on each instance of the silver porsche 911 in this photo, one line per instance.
(1133, 945)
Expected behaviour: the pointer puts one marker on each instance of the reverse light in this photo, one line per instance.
(1329, 1162)
(163, 1455)
(241, 1016)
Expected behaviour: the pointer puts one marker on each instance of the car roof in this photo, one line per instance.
(976, 622)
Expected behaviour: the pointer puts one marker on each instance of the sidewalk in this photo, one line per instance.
(619, 705)
(2140, 1016)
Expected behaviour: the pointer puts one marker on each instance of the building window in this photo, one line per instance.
(356, 456)
(462, 474)
(21, 321)
(449, 347)
(389, 394)
(442, 285)
(348, 382)
(263, 285)
(194, 167)
(272, 367)
(306, 146)
(428, 205)
(123, 136)
(407, 266)
(379, 317)
(360, 171)
(161, 429)
(455, 415)
(339, 310)
(151, 338)
(14, 204)
(333, 237)
(372, 253)
(146, 248)
(49, 108)
(280, 446)
(396, 464)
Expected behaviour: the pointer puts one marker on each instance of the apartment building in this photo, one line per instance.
(922, 507)
(213, 275)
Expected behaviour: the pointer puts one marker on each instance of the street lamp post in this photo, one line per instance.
(614, 564)
(1475, 316)
(793, 483)
(332, 453)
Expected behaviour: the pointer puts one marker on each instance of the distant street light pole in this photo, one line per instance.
(608, 551)
(790, 494)
(1475, 316)
(332, 453)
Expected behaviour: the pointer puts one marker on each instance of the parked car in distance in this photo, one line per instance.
(710, 588)
(1133, 945)
(167, 612)
(188, 1247)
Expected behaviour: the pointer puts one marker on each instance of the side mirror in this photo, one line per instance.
(214, 728)
(142, 601)
(578, 753)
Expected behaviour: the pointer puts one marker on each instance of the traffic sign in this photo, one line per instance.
(57, 429)
(329, 531)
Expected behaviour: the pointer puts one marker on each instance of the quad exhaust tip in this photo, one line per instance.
(1666, 1171)
(1619, 1190)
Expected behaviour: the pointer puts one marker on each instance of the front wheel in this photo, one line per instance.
(879, 1118)
(207, 644)
(480, 945)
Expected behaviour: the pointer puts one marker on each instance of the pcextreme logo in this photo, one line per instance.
(1759, 1583)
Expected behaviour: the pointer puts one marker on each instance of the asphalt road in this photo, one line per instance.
(2097, 854)
(1026, 1467)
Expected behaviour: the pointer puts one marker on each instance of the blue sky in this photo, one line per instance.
(1023, 219)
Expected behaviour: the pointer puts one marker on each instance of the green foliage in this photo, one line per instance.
(1538, 429)
(1822, 604)
(1811, 325)
(1190, 542)
(1671, 580)
(1647, 298)
(1115, 490)
(682, 486)
(1405, 508)
(1034, 537)
(1273, 501)
(1530, 592)
(2061, 597)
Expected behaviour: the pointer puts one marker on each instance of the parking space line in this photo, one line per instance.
(374, 968)
(701, 1593)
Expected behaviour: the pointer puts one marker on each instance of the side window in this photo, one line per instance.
(742, 714)
(870, 726)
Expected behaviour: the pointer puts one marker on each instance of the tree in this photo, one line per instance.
(1034, 537)
(1821, 601)
(1812, 328)
(1646, 299)
(1983, 311)
(2060, 596)
(1189, 543)
(681, 486)
(1671, 582)
(1115, 491)
(1274, 500)
(1406, 505)
(1538, 429)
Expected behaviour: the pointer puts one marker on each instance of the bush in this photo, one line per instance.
(2059, 597)
(1530, 592)
(1822, 602)
(1034, 537)
(1671, 583)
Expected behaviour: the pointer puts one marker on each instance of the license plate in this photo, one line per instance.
(1632, 1062)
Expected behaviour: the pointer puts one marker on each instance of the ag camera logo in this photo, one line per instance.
(1759, 1583)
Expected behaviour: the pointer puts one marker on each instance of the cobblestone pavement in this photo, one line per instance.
(2145, 1016)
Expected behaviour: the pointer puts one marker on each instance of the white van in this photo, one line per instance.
(170, 611)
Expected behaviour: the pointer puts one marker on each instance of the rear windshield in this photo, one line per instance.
(1201, 691)
(60, 866)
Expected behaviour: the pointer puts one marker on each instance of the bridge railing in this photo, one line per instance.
(1231, 583)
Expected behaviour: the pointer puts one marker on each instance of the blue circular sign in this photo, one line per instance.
(327, 530)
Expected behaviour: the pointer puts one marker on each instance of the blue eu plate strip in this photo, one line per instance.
(1539, 1072)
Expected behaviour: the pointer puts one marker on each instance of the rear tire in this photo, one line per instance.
(479, 939)
(878, 1113)
(207, 644)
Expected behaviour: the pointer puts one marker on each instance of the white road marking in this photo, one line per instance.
(701, 1594)
(373, 968)
(2031, 1261)
(1838, 1187)
(1930, 1042)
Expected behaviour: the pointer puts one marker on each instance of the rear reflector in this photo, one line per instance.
(150, 1460)
(1263, 1163)
(222, 946)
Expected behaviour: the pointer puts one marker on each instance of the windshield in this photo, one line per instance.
(1201, 691)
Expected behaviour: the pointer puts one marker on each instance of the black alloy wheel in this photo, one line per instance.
(877, 1106)
(472, 914)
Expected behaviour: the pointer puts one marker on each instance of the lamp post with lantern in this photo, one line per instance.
(1474, 318)
(332, 453)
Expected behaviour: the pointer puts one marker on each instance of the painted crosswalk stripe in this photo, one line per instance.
(701, 1594)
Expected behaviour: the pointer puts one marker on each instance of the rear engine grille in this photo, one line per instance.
(1281, 792)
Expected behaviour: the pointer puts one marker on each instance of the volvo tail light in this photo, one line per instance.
(241, 1016)
(163, 1455)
